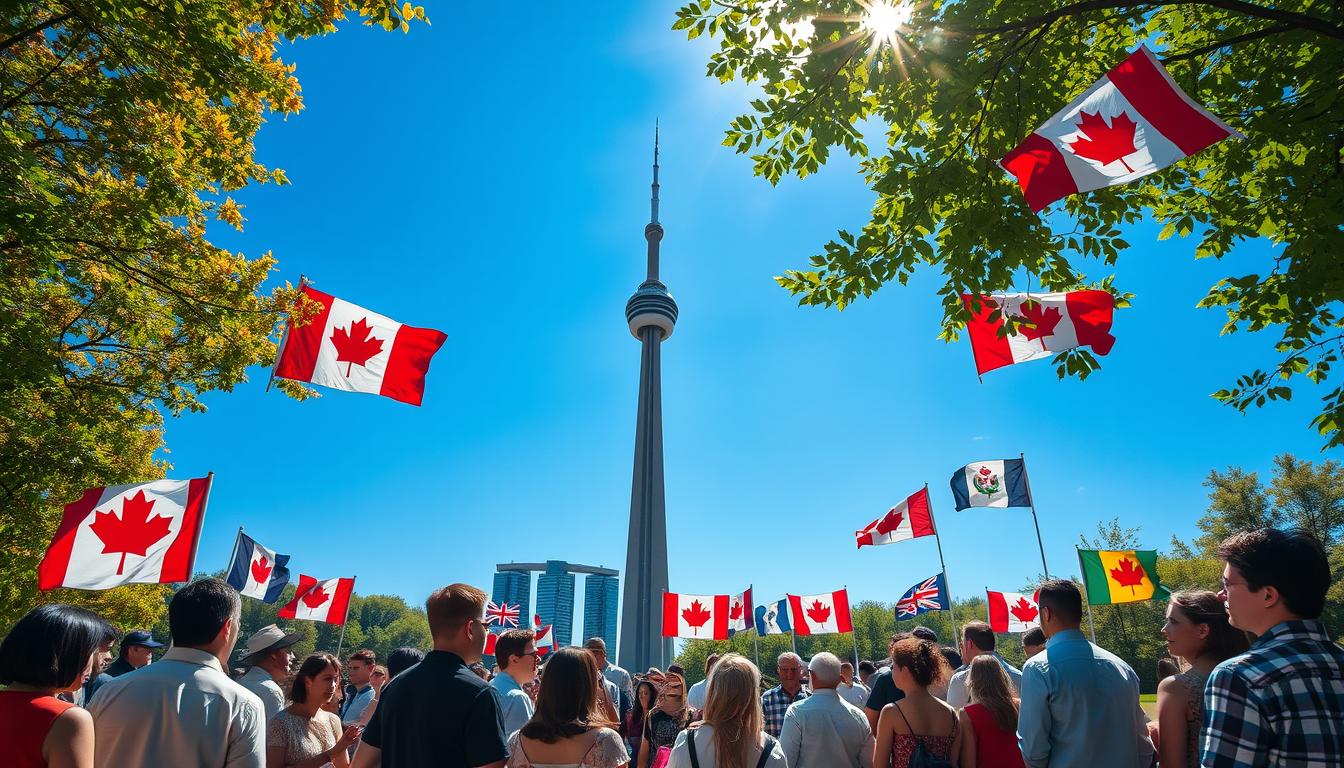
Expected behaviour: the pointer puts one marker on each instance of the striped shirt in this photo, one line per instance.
(1280, 703)
(775, 703)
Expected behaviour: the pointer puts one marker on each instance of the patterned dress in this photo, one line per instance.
(608, 751)
(903, 744)
(1194, 681)
(303, 737)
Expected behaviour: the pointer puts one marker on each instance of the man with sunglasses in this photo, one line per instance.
(516, 660)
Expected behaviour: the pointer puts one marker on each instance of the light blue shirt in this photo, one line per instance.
(958, 691)
(825, 731)
(1080, 708)
(514, 704)
(354, 708)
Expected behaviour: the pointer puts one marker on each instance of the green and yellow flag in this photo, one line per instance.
(1121, 577)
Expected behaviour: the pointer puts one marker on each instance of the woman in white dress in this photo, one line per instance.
(731, 735)
(566, 730)
(304, 735)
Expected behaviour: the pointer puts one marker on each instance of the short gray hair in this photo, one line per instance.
(825, 668)
(789, 655)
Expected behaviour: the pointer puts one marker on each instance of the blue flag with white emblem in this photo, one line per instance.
(773, 618)
(257, 571)
(998, 483)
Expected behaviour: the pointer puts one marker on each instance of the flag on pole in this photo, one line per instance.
(699, 617)
(314, 600)
(1132, 122)
(928, 595)
(1127, 576)
(773, 618)
(503, 614)
(1012, 612)
(908, 520)
(350, 348)
(144, 533)
(998, 483)
(257, 571)
(1054, 322)
(740, 612)
(544, 636)
(824, 614)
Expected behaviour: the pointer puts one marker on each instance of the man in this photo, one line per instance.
(884, 690)
(184, 710)
(438, 713)
(824, 730)
(1033, 641)
(360, 671)
(695, 698)
(516, 657)
(1080, 704)
(775, 702)
(616, 683)
(137, 650)
(1282, 701)
(866, 671)
(268, 658)
(855, 693)
(977, 639)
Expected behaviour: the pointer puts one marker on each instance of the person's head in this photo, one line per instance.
(598, 648)
(866, 670)
(480, 671)
(1197, 625)
(1167, 667)
(567, 704)
(317, 680)
(951, 656)
(1033, 641)
(976, 638)
(846, 673)
(402, 659)
(1273, 576)
(137, 647)
(205, 615)
(271, 649)
(825, 669)
(672, 692)
(789, 665)
(457, 620)
(988, 685)
(360, 667)
(710, 661)
(516, 654)
(896, 638)
(924, 633)
(379, 677)
(733, 709)
(55, 647)
(1061, 606)
(646, 693)
(917, 663)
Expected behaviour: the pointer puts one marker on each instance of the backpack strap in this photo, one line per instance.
(765, 751)
(690, 747)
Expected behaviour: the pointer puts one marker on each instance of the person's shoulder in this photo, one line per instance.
(1175, 685)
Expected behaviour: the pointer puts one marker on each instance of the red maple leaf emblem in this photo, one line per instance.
(696, 616)
(315, 597)
(889, 522)
(1128, 574)
(1042, 320)
(1105, 143)
(134, 532)
(356, 346)
(818, 613)
(1023, 610)
(735, 612)
(261, 570)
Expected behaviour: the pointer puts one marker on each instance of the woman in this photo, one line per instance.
(304, 734)
(1198, 632)
(730, 735)
(645, 695)
(566, 731)
(989, 722)
(667, 719)
(919, 722)
(53, 649)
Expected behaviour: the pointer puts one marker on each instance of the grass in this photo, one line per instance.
(1149, 703)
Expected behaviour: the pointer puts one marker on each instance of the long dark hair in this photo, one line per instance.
(567, 704)
(51, 645)
(1204, 607)
(312, 667)
(637, 712)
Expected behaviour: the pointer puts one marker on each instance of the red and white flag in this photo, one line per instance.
(1053, 323)
(127, 534)
(697, 617)
(908, 520)
(741, 612)
(350, 348)
(1012, 612)
(824, 614)
(315, 600)
(544, 637)
(1133, 121)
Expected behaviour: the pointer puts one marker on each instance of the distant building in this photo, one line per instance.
(601, 596)
(515, 588)
(555, 598)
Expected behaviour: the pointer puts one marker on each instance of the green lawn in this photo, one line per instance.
(1149, 703)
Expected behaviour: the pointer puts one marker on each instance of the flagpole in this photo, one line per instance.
(236, 541)
(1032, 499)
(938, 539)
(284, 339)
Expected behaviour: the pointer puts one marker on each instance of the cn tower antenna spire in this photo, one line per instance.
(653, 202)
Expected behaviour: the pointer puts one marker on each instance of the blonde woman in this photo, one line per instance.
(731, 733)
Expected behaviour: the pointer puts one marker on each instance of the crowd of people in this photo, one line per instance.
(1255, 681)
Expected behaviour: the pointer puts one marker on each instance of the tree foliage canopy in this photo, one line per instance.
(963, 82)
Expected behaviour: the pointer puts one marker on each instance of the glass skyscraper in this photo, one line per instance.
(555, 600)
(601, 595)
(515, 588)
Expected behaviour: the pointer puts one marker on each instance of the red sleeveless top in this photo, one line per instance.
(25, 719)
(994, 747)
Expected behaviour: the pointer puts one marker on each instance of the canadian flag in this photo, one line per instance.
(741, 612)
(127, 534)
(350, 348)
(315, 600)
(697, 617)
(1053, 322)
(908, 520)
(820, 614)
(1012, 612)
(1133, 121)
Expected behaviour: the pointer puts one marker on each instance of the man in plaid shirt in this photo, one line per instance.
(1282, 702)
(776, 701)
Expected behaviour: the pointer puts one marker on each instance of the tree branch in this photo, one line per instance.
(1249, 36)
(1291, 18)
(53, 21)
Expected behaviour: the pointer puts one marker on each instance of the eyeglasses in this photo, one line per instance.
(1228, 584)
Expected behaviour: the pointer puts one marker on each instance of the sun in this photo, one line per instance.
(885, 20)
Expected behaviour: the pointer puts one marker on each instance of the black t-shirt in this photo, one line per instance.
(884, 692)
(438, 714)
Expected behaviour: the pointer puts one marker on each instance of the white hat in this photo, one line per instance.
(268, 638)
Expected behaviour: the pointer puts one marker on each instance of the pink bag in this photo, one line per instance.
(661, 759)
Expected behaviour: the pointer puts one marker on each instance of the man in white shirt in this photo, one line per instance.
(695, 698)
(823, 730)
(516, 666)
(268, 658)
(851, 690)
(977, 639)
(184, 710)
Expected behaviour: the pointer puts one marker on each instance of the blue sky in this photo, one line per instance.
(489, 178)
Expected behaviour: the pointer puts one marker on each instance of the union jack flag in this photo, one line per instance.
(501, 614)
(928, 595)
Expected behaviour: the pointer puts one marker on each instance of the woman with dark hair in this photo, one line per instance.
(1197, 631)
(646, 693)
(402, 659)
(989, 722)
(304, 735)
(918, 723)
(668, 718)
(53, 649)
(565, 730)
